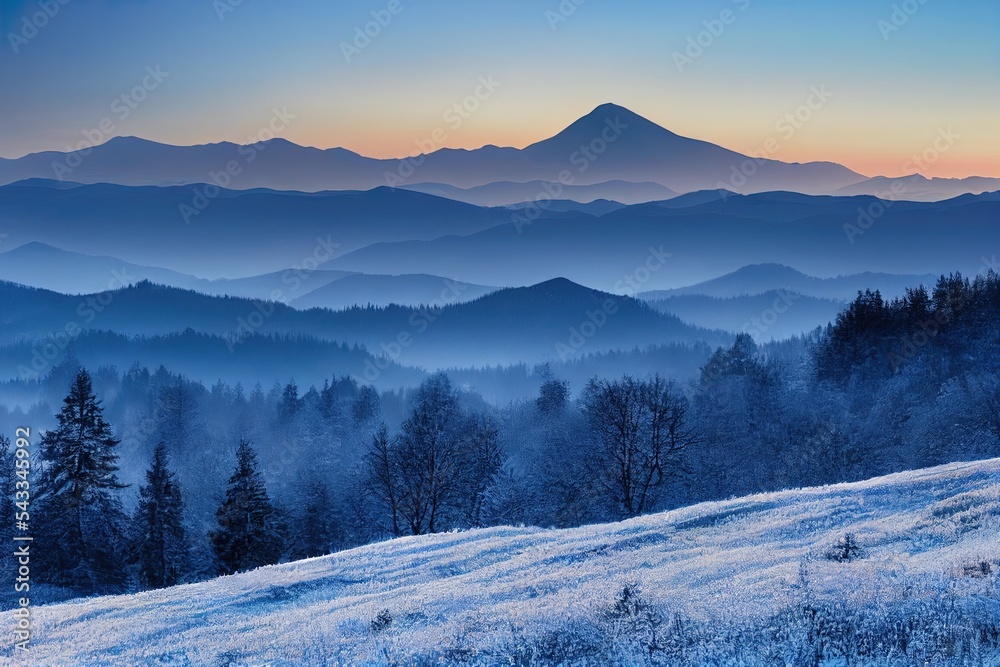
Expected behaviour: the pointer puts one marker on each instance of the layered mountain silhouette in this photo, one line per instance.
(772, 315)
(915, 187)
(378, 290)
(544, 192)
(759, 279)
(236, 232)
(39, 265)
(829, 235)
(556, 320)
(610, 144)
(395, 232)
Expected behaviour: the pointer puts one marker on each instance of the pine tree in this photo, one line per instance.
(161, 547)
(553, 396)
(248, 535)
(81, 521)
(290, 403)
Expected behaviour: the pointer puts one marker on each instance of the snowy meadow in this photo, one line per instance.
(769, 579)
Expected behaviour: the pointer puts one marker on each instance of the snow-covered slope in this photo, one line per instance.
(469, 594)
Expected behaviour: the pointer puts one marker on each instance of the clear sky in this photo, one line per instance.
(898, 79)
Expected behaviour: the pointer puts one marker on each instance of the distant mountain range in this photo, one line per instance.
(773, 301)
(596, 208)
(610, 144)
(39, 265)
(770, 301)
(236, 233)
(760, 279)
(542, 193)
(772, 315)
(377, 290)
(557, 320)
(684, 244)
(394, 232)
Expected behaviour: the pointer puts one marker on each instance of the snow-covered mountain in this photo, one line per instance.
(926, 540)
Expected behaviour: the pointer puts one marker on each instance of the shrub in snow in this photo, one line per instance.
(381, 622)
(846, 550)
(977, 570)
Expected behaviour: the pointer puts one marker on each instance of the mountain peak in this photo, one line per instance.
(609, 112)
(560, 284)
(611, 124)
(131, 141)
(35, 248)
(611, 107)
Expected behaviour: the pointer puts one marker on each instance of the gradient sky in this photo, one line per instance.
(890, 97)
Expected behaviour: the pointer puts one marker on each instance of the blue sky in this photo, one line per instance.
(897, 72)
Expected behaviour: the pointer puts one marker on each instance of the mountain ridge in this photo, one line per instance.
(508, 326)
(629, 149)
(608, 143)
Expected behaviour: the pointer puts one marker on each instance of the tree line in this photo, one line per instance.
(891, 385)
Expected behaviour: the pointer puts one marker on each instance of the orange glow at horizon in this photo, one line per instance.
(380, 143)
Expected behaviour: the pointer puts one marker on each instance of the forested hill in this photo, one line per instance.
(553, 321)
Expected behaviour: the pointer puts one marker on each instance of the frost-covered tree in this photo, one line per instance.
(553, 396)
(439, 468)
(315, 530)
(248, 533)
(366, 406)
(178, 421)
(161, 548)
(642, 429)
(383, 476)
(290, 402)
(429, 457)
(80, 517)
(482, 461)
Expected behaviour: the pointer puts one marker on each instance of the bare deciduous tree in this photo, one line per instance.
(641, 429)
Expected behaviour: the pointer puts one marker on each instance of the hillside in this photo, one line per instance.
(770, 315)
(555, 320)
(380, 290)
(40, 265)
(759, 279)
(487, 596)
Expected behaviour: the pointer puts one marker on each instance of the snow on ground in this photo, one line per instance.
(720, 561)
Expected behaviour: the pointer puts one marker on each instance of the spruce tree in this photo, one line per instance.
(80, 517)
(248, 535)
(161, 548)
